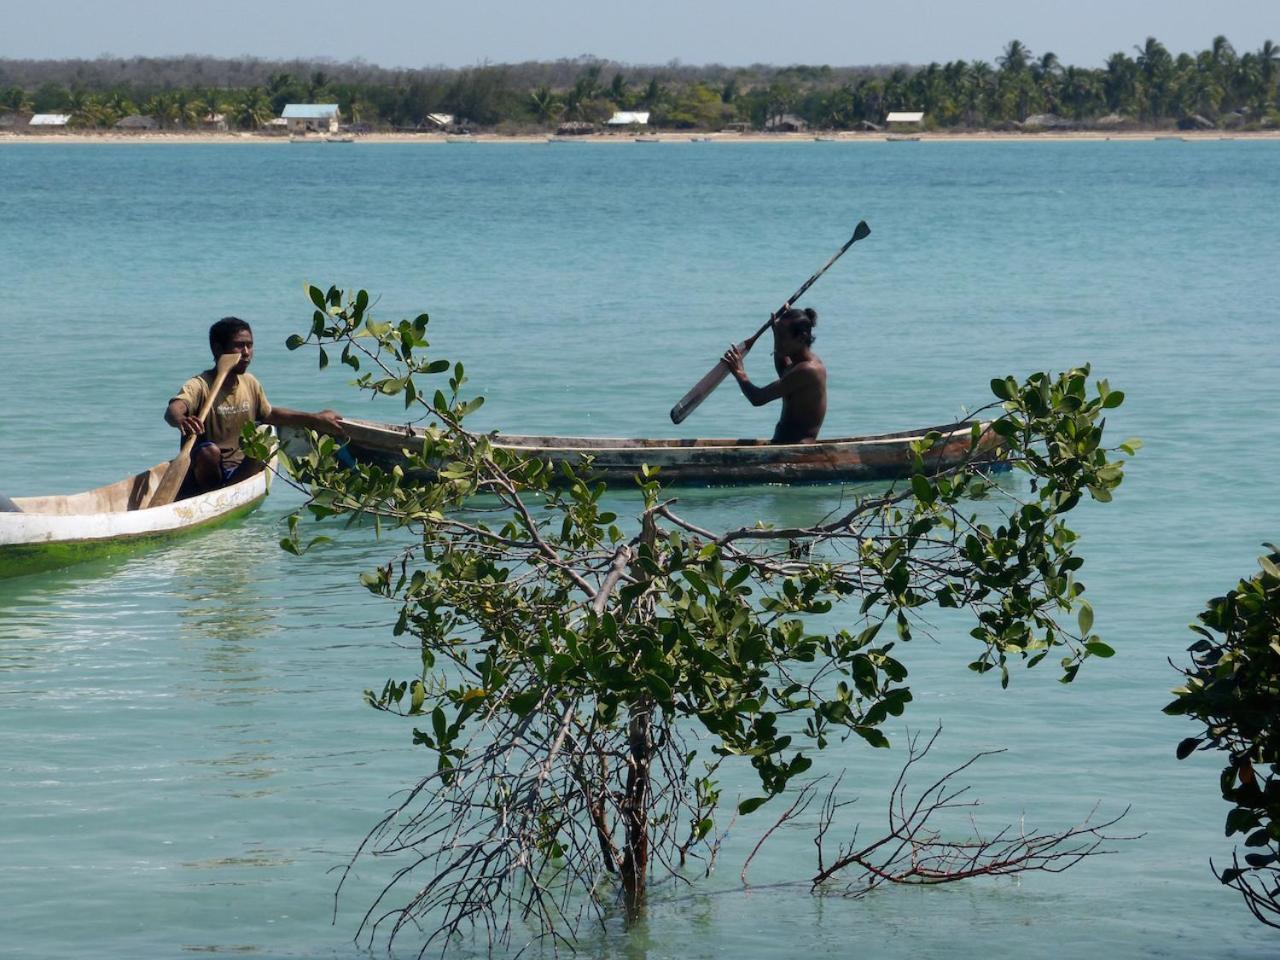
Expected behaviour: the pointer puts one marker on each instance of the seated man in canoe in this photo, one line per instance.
(217, 460)
(802, 378)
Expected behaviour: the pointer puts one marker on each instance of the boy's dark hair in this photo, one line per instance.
(801, 322)
(222, 332)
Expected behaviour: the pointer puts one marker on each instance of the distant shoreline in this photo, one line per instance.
(189, 137)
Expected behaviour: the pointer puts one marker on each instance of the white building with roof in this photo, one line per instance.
(905, 116)
(628, 118)
(304, 117)
(49, 120)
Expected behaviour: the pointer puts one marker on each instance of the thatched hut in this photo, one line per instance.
(786, 123)
(137, 121)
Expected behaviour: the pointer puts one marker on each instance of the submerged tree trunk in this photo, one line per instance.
(635, 809)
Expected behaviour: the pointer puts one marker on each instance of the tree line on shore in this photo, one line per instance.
(1151, 87)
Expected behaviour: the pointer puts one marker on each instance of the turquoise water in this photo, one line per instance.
(184, 755)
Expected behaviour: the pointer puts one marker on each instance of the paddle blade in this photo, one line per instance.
(701, 390)
(171, 482)
(860, 231)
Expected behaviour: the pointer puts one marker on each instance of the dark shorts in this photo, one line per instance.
(228, 469)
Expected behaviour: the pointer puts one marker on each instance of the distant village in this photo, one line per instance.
(1218, 88)
(325, 120)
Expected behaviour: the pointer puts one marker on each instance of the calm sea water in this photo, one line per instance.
(184, 755)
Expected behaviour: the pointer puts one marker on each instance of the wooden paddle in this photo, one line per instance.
(171, 482)
(702, 389)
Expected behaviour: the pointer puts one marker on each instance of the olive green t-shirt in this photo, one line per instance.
(235, 406)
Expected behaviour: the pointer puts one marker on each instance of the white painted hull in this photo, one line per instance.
(58, 530)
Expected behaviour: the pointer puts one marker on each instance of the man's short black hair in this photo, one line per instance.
(220, 333)
(801, 322)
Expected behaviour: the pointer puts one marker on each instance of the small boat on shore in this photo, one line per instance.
(694, 462)
(45, 533)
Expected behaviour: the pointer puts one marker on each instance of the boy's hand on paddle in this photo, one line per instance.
(190, 426)
(733, 360)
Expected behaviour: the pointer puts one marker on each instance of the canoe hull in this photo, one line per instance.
(700, 462)
(54, 532)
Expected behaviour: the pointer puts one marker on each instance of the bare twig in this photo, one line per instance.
(802, 801)
(913, 852)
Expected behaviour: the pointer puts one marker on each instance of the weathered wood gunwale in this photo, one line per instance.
(56, 531)
(701, 462)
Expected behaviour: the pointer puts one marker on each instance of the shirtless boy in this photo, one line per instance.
(802, 378)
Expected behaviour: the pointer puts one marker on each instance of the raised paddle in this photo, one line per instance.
(171, 482)
(702, 389)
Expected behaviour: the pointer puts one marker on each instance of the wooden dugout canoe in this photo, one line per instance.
(57, 531)
(698, 462)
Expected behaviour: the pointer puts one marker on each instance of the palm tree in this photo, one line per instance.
(160, 108)
(1120, 84)
(838, 108)
(359, 107)
(981, 85)
(1153, 58)
(210, 103)
(928, 93)
(545, 104)
(186, 108)
(1045, 71)
(1015, 57)
(318, 86)
(654, 94)
(1080, 92)
(869, 99)
(92, 113)
(587, 86)
(1268, 67)
(116, 106)
(1046, 65)
(252, 109)
(16, 99)
(781, 99)
(78, 103)
(895, 90)
(278, 83)
(1198, 92)
(618, 89)
(1156, 67)
(280, 89)
(1224, 55)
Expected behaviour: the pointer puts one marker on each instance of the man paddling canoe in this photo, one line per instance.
(802, 378)
(217, 459)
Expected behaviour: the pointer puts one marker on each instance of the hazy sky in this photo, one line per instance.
(414, 33)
